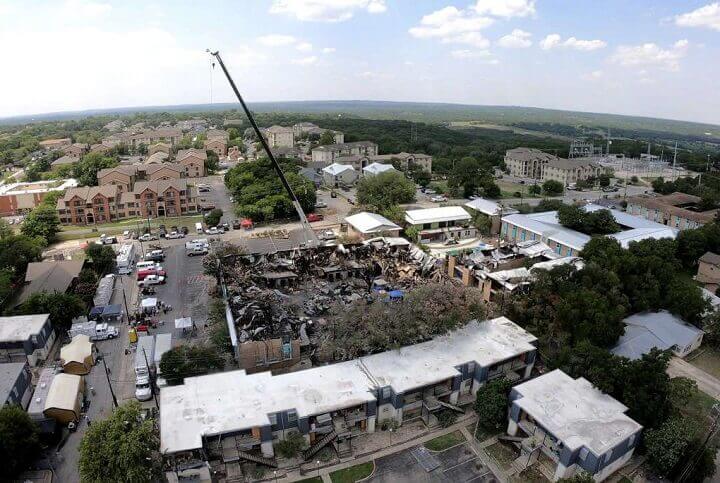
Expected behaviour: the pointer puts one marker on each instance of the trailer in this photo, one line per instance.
(144, 358)
(163, 343)
(125, 259)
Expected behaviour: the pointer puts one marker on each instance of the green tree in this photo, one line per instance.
(142, 149)
(102, 258)
(87, 168)
(7, 287)
(685, 299)
(62, 307)
(491, 404)
(580, 477)
(86, 285)
(604, 180)
(124, 447)
(385, 190)
(214, 217)
(233, 133)
(552, 187)
(666, 445)
(43, 221)
(326, 138)
(534, 189)
(5, 229)
(291, 446)
(213, 162)
(189, 361)
(19, 442)
(16, 251)
(711, 326)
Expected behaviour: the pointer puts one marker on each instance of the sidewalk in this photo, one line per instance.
(295, 475)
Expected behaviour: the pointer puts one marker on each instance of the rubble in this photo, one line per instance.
(284, 297)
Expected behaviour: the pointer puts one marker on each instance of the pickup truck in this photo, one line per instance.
(152, 280)
(312, 217)
(143, 274)
(197, 250)
(148, 237)
(174, 234)
(106, 240)
(94, 331)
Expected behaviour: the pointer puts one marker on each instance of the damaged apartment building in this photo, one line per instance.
(231, 417)
(279, 296)
(501, 271)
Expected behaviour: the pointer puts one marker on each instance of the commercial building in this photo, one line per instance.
(574, 424)
(239, 414)
(709, 271)
(657, 330)
(326, 155)
(26, 338)
(370, 225)
(566, 242)
(16, 198)
(678, 210)
(339, 174)
(15, 384)
(436, 225)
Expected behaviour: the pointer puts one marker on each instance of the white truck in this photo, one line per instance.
(196, 247)
(144, 360)
(163, 343)
(125, 259)
(93, 330)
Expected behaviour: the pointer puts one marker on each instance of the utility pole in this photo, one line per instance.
(107, 376)
(152, 379)
(674, 162)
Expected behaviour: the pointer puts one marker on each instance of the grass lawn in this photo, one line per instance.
(353, 474)
(502, 453)
(708, 360)
(509, 189)
(446, 441)
(314, 479)
(482, 433)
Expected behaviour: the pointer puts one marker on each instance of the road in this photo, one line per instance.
(706, 383)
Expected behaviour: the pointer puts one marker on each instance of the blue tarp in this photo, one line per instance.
(396, 294)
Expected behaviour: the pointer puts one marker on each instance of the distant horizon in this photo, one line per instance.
(52, 116)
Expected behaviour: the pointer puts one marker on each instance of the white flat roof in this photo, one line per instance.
(21, 327)
(376, 168)
(366, 222)
(489, 208)
(233, 401)
(546, 225)
(37, 186)
(575, 412)
(432, 215)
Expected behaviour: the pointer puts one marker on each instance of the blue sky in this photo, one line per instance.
(654, 58)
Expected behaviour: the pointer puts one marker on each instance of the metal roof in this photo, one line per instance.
(648, 330)
(432, 215)
(366, 222)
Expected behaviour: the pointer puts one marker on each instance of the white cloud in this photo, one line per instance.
(304, 46)
(593, 76)
(485, 56)
(650, 54)
(86, 8)
(554, 41)
(505, 8)
(373, 75)
(325, 10)
(328, 50)
(452, 25)
(707, 17)
(305, 60)
(276, 40)
(517, 39)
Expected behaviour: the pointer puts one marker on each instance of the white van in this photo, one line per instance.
(146, 265)
(198, 227)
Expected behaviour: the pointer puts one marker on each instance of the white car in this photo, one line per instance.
(214, 231)
(151, 280)
(438, 199)
(148, 237)
(175, 234)
(143, 392)
(320, 204)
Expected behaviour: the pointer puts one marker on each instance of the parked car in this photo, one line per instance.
(225, 227)
(320, 204)
(438, 199)
(162, 232)
(203, 189)
(106, 240)
(450, 241)
(197, 250)
(152, 280)
(207, 207)
(148, 237)
(174, 234)
(327, 235)
(143, 274)
(312, 217)
(429, 191)
(184, 230)
(155, 256)
(213, 231)
(236, 224)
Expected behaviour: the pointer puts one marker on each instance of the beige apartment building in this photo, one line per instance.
(217, 145)
(570, 171)
(279, 136)
(193, 161)
(328, 154)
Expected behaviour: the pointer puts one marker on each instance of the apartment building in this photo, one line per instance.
(570, 171)
(527, 162)
(244, 415)
(217, 145)
(53, 144)
(437, 225)
(76, 150)
(193, 161)
(159, 148)
(574, 424)
(17, 198)
(678, 210)
(26, 338)
(279, 136)
(110, 202)
(326, 155)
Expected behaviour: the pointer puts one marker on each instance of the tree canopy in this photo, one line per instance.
(19, 442)
(43, 221)
(188, 361)
(102, 258)
(385, 190)
(552, 187)
(599, 222)
(471, 176)
(491, 403)
(123, 447)
(62, 307)
(87, 168)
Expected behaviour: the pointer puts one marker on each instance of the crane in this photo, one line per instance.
(311, 239)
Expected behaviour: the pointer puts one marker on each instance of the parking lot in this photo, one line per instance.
(456, 464)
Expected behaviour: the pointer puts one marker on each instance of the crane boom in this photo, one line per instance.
(311, 238)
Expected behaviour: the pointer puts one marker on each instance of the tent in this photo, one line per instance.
(64, 399)
(183, 323)
(149, 304)
(77, 357)
(106, 313)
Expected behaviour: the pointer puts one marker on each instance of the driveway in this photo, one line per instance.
(706, 383)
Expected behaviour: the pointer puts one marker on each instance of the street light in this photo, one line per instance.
(318, 467)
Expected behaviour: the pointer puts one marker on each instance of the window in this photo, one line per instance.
(292, 416)
(471, 367)
(386, 393)
(273, 419)
(583, 454)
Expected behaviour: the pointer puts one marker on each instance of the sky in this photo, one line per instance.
(639, 57)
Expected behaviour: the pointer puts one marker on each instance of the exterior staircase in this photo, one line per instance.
(258, 459)
(319, 444)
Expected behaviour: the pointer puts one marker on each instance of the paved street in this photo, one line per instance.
(706, 383)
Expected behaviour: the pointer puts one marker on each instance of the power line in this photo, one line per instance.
(107, 376)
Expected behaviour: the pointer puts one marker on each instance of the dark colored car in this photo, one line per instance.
(314, 217)
(236, 224)
(184, 230)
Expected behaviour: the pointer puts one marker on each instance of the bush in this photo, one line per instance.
(291, 446)
(385, 190)
(552, 187)
(491, 404)
(447, 418)
(213, 218)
